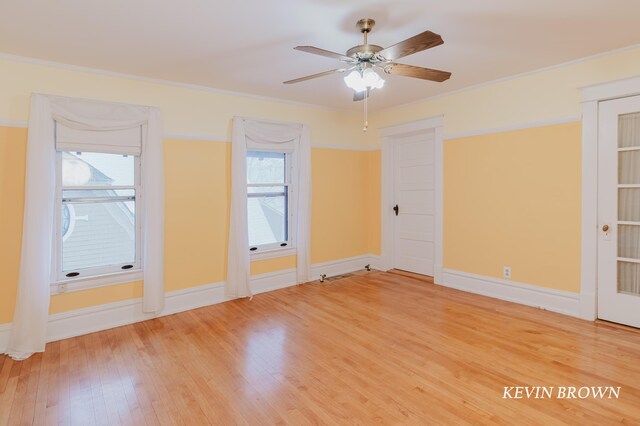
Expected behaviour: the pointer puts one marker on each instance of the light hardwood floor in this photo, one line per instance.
(376, 348)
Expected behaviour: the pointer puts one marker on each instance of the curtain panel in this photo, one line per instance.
(83, 125)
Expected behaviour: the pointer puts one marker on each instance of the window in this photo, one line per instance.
(98, 219)
(269, 200)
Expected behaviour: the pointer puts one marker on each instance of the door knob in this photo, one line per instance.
(605, 228)
(396, 209)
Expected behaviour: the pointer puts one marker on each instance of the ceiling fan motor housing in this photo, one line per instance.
(364, 51)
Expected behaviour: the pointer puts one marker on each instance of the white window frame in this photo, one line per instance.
(103, 275)
(267, 251)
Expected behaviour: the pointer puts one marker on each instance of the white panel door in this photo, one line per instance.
(414, 198)
(619, 211)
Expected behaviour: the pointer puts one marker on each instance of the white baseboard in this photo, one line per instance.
(376, 262)
(110, 315)
(588, 306)
(563, 302)
(437, 274)
(273, 281)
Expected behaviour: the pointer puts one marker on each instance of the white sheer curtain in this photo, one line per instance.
(28, 332)
(257, 133)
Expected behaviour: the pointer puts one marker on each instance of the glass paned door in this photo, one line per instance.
(619, 211)
(628, 268)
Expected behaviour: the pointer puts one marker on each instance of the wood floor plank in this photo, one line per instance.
(386, 348)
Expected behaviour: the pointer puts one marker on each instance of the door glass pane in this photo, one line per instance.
(629, 241)
(629, 204)
(265, 167)
(629, 130)
(629, 278)
(98, 234)
(628, 167)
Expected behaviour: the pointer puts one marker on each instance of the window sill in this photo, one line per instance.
(272, 254)
(96, 281)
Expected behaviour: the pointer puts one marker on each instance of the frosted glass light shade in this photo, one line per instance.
(360, 81)
(354, 81)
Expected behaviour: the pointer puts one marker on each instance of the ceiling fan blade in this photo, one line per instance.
(359, 96)
(312, 76)
(417, 43)
(326, 53)
(417, 72)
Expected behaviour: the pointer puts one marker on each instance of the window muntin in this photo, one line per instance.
(269, 195)
(98, 227)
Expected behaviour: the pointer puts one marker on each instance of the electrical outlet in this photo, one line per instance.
(506, 272)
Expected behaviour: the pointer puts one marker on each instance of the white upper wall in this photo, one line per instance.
(536, 98)
(539, 97)
(187, 111)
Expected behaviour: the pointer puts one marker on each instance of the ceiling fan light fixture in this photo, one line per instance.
(361, 81)
(372, 79)
(354, 81)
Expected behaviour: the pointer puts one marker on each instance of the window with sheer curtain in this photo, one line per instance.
(270, 198)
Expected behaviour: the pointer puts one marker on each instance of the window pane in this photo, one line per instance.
(265, 167)
(97, 193)
(266, 190)
(98, 234)
(267, 217)
(96, 169)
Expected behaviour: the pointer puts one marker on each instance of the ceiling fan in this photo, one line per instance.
(363, 59)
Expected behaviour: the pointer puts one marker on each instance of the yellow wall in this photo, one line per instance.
(374, 201)
(197, 196)
(513, 199)
(339, 210)
(13, 152)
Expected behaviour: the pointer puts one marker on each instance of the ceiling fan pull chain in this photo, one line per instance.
(366, 111)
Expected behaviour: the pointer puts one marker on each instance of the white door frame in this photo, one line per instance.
(591, 98)
(389, 135)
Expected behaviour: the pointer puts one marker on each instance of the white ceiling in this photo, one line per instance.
(247, 45)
